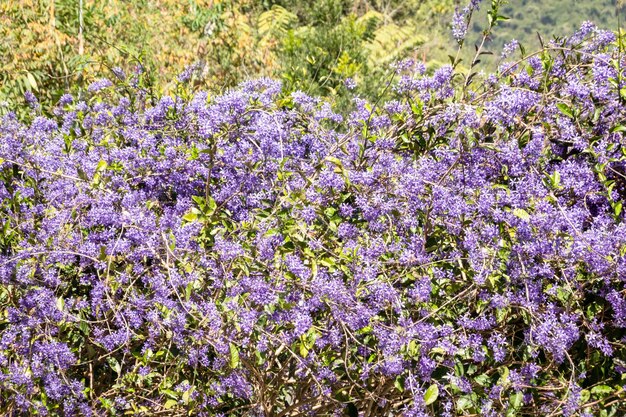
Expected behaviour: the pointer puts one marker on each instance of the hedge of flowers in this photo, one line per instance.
(457, 250)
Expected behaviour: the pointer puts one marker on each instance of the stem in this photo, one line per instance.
(81, 39)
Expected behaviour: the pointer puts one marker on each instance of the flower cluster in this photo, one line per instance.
(458, 250)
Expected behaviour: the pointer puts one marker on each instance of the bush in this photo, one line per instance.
(457, 250)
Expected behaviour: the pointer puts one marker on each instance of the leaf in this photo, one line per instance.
(32, 81)
(584, 396)
(115, 365)
(414, 348)
(234, 356)
(82, 175)
(199, 200)
(102, 165)
(369, 22)
(170, 404)
(463, 403)
(304, 351)
(189, 217)
(212, 204)
(555, 179)
(482, 379)
(399, 384)
(504, 377)
(391, 37)
(277, 20)
(431, 394)
(60, 303)
(521, 213)
(601, 390)
(334, 160)
(617, 208)
(618, 128)
(108, 404)
(565, 109)
(516, 400)
(186, 396)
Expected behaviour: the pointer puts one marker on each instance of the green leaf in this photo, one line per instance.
(521, 213)
(212, 204)
(414, 348)
(199, 200)
(102, 165)
(186, 396)
(555, 179)
(463, 403)
(115, 365)
(482, 380)
(584, 396)
(304, 351)
(82, 175)
(189, 217)
(617, 208)
(32, 81)
(334, 160)
(516, 400)
(327, 262)
(601, 390)
(108, 404)
(565, 109)
(170, 404)
(234, 356)
(431, 394)
(399, 384)
(618, 128)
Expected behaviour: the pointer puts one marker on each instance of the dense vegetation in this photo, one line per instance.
(310, 45)
(456, 250)
(365, 237)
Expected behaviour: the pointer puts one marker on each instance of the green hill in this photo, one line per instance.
(549, 18)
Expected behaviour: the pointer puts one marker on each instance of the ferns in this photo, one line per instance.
(392, 41)
(276, 21)
(369, 23)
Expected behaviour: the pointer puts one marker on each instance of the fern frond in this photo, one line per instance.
(277, 20)
(368, 24)
(391, 41)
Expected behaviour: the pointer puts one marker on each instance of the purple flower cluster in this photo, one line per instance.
(461, 20)
(258, 254)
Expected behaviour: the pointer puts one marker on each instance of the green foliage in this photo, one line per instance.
(333, 43)
(313, 46)
(44, 50)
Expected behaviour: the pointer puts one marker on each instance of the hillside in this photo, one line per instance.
(548, 18)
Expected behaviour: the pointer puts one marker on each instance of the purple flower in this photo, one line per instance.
(99, 85)
(31, 99)
(459, 25)
(509, 48)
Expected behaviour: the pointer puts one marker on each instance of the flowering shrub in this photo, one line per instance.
(458, 250)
